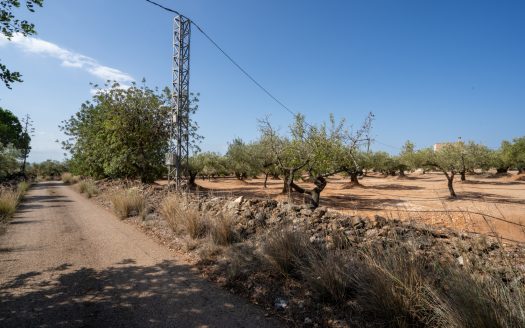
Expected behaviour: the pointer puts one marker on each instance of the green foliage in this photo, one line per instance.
(208, 164)
(8, 160)
(241, 159)
(512, 154)
(121, 133)
(9, 25)
(48, 168)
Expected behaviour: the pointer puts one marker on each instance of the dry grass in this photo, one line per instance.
(23, 187)
(222, 230)
(88, 187)
(9, 199)
(287, 250)
(329, 275)
(183, 217)
(128, 203)
(393, 285)
(69, 178)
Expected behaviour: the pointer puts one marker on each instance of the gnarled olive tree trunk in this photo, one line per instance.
(315, 193)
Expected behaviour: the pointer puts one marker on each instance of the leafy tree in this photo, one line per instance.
(8, 160)
(241, 159)
(10, 128)
(15, 134)
(354, 167)
(9, 25)
(407, 158)
(121, 133)
(208, 164)
(265, 158)
(321, 151)
(474, 156)
(382, 162)
(48, 168)
(448, 160)
(512, 154)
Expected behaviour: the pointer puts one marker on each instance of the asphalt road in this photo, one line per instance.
(65, 262)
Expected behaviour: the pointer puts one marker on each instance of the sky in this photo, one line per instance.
(430, 71)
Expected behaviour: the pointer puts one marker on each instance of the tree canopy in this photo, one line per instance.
(9, 25)
(121, 133)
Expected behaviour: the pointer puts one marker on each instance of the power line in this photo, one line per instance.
(165, 8)
(231, 60)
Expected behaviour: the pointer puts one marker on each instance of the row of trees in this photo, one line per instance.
(15, 138)
(312, 154)
(124, 133)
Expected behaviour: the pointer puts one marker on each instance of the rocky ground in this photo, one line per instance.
(242, 268)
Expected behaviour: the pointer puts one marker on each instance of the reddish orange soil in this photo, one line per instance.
(485, 204)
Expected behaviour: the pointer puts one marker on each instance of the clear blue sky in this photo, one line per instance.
(429, 70)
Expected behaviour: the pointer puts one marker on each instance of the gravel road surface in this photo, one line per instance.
(65, 262)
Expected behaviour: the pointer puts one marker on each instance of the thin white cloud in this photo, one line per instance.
(68, 58)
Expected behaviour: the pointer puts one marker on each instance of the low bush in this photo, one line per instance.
(183, 217)
(128, 203)
(88, 187)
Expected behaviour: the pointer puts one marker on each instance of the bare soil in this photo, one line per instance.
(487, 203)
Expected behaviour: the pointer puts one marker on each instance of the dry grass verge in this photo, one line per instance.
(129, 203)
(9, 199)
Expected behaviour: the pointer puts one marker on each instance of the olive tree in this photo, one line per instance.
(320, 151)
(241, 160)
(513, 154)
(448, 160)
(207, 164)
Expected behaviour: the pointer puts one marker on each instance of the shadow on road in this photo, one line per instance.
(124, 295)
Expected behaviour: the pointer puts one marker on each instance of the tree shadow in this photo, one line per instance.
(494, 183)
(489, 198)
(124, 295)
(394, 186)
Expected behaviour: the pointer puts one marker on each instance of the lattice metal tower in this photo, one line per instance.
(177, 160)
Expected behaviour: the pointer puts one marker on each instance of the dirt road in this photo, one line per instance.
(64, 262)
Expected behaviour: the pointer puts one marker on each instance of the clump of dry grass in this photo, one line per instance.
(287, 250)
(69, 178)
(9, 199)
(183, 217)
(23, 187)
(129, 203)
(88, 187)
(329, 275)
(222, 230)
